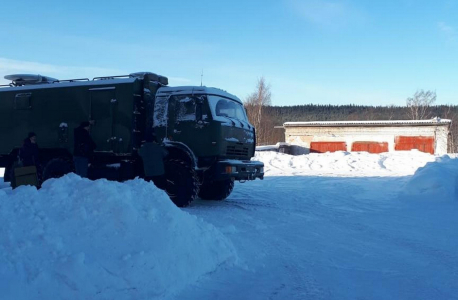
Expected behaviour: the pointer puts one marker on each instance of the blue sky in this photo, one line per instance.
(310, 51)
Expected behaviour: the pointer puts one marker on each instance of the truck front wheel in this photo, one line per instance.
(216, 190)
(182, 184)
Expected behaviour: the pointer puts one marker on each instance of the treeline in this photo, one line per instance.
(277, 115)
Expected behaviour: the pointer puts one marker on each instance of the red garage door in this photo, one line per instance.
(322, 147)
(371, 147)
(422, 143)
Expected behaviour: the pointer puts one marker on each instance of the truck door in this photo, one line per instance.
(103, 104)
(182, 124)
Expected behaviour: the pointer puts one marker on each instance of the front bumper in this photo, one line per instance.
(239, 170)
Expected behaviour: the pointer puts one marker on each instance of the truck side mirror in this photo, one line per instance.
(199, 101)
(199, 111)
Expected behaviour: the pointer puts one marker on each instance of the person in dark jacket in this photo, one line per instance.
(29, 153)
(84, 147)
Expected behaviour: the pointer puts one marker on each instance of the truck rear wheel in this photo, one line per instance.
(216, 190)
(182, 184)
(57, 168)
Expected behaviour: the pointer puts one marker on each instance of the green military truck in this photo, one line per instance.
(204, 138)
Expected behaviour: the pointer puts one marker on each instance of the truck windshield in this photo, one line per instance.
(226, 108)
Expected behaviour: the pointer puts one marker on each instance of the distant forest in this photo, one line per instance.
(277, 115)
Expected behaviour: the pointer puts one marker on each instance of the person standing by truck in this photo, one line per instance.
(27, 169)
(84, 147)
(28, 154)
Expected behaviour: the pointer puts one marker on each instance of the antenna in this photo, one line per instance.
(201, 75)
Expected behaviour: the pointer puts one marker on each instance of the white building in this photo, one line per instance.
(429, 136)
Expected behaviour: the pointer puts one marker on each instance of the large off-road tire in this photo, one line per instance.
(56, 168)
(182, 183)
(216, 190)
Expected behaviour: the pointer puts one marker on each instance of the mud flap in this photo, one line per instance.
(152, 155)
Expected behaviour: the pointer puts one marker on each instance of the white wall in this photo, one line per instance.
(303, 136)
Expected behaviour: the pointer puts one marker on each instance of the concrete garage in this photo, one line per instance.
(430, 136)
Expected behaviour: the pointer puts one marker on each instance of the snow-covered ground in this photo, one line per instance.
(77, 239)
(320, 226)
(347, 164)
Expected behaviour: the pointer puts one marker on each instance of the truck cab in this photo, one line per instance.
(210, 121)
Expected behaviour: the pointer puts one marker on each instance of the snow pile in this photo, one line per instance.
(2, 184)
(436, 180)
(77, 239)
(352, 164)
(433, 176)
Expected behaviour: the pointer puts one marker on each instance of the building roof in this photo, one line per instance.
(430, 122)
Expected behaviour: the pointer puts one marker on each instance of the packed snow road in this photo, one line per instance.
(328, 237)
(322, 226)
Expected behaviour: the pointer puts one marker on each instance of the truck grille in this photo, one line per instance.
(236, 150)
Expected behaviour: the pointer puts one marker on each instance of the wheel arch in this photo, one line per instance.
(181, 151)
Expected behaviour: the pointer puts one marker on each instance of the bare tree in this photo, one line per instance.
(448, 114)
(391, 111)
(419, 104)
(255, 104)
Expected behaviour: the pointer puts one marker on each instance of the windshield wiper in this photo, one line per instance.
(232, 121)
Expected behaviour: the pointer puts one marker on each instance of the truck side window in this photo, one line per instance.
(160, 111)
(185, 108)
(22, 101)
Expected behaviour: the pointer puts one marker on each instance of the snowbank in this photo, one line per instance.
(77, 239)
(2, 183)
(433, 177)
(353, 164)
(436, 180)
